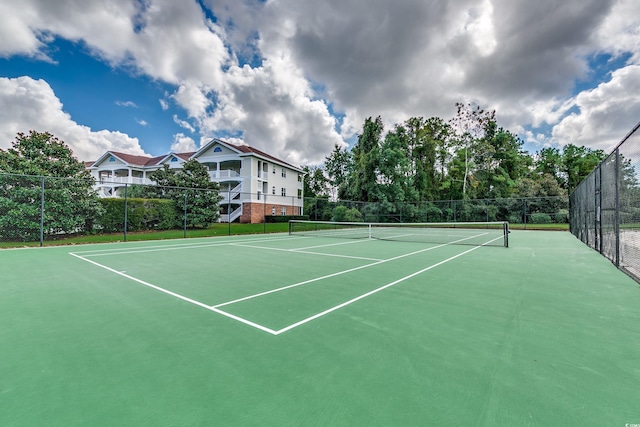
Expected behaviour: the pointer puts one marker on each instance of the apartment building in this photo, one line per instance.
(252, 183)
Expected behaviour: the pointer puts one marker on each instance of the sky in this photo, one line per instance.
(294, 78)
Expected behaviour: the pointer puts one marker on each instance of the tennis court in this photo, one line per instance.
(313, 329)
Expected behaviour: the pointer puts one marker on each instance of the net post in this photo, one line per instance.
(505, 228)
(369, 227)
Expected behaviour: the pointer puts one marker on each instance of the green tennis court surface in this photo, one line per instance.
(290, 330)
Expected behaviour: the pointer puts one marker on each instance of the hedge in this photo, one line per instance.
(142, 215)
(284, 218)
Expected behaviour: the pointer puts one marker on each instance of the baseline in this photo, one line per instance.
(145, 249)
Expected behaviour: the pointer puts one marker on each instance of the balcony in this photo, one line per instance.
(224, 174)
(124, 180)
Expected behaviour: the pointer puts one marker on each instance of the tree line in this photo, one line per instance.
(427, 159)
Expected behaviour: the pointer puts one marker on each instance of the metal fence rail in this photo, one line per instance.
(38, 209)
(605, 207)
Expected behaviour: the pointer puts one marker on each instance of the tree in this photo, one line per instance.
(430, 145)
(339, 166)
(549, 161)
(578, 162)
(502, 164)
(315, 182)
(41, 161)
(190, 185)
(470, 125)
(366, 158)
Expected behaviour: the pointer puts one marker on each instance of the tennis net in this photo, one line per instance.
(453, 233)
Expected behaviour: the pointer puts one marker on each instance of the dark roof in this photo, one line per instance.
(147, 161)
(248, 149)
(185, 156)
(137, 160)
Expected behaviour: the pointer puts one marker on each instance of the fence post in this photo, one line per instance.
(124, 228)
(599, 213)
(617, 211)
(41, 210)
(229, 210)
(486, 208)
(525, 213)
(184, 215)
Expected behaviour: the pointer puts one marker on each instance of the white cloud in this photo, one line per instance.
(273, 107)
(183, 124)
(309, 59)
(129, 104)
(183, 144)
(620, 31)
(192, 96)
(606, 113)
(28, 104)
(141, 122)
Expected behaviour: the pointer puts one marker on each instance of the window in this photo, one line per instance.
(283, 191)
(299, 178)
(284, 173)
(273, 190)
(174, 159)
(217, 150)
(112, 159)
(299, 193)
(283, 211)
(259, 195)
(273, 210)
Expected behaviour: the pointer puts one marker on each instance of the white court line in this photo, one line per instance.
(182, 297)
(274, 332)
(299, 251)
(331, 244)
(107, 252)
(337, 273)
(344, 304)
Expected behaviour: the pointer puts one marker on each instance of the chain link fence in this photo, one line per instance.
(605, 207)
(528, 212)
(36, 209)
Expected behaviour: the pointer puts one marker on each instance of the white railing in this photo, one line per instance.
(230, 218)
(232, 194)
(124, 180)
(223, 174)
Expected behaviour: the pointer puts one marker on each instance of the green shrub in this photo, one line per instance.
(142, 215)
(562, 217)
(540, 218)
(284, 218)
(515, 219)
(344, 214)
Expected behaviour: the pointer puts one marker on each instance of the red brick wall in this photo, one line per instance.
(254, 212)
